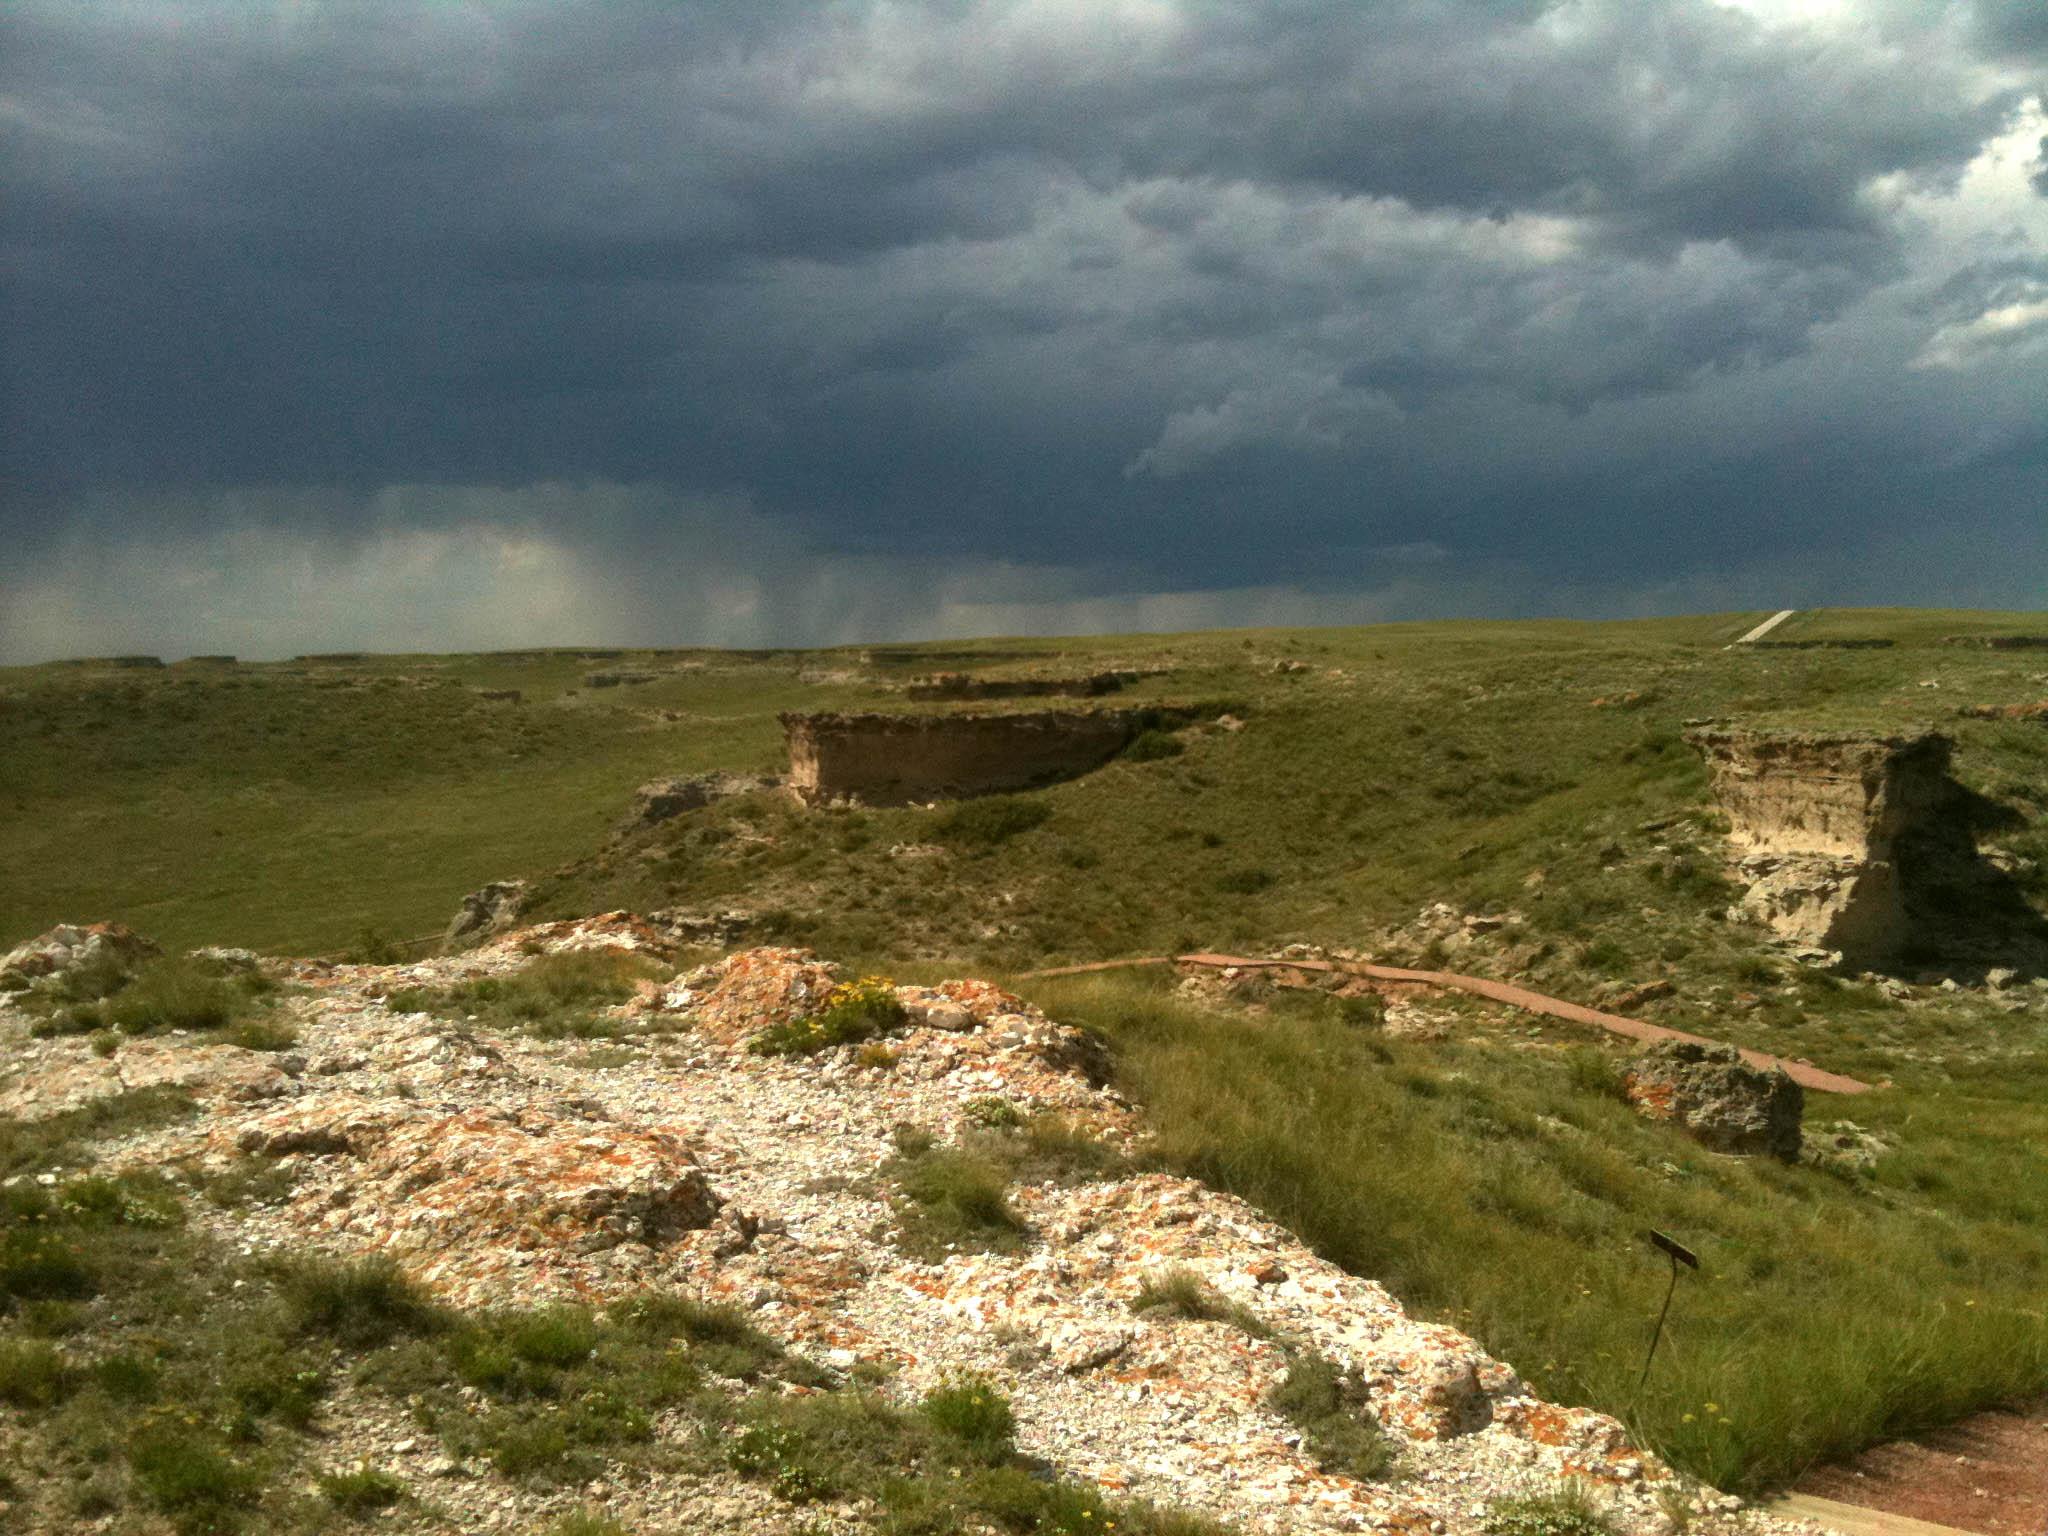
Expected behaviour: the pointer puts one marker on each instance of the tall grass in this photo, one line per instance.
(1502, 1191)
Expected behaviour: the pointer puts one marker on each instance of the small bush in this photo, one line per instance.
(993, 1113)
(373, 946)
(991, 821)
(1329, 1408)
(38, 1265)
(1151, 746)
(783, 1459)
(974, 1413)
(171, 994)
(852, 1012)
(363, 1303)
(877, 1055)
(1595, 1071)
(720, 1337)
(361, 1490)
(261, 1035)
(191, 1479)
(33, 1375)
(553, 997)
(127, 1378)
(1567, 1510)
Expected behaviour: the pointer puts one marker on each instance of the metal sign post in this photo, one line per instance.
(1680, 1254)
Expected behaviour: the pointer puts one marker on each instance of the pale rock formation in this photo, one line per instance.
(1817, 821)
(73, 947)
(486, 910)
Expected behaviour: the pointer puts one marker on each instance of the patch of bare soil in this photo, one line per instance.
(1988, 1473)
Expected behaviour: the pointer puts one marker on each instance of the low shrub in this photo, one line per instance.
(33, 1374)
(261, 1035)
(1329, 1407)
(373, 946)
(1245, 882)
(852, 1012)
(361, 1490)
(974, 1413)
(992, 820)
(361, 1303)
(1566, 1510)
(993, 1113)
(191, 1478)
(783, 1459)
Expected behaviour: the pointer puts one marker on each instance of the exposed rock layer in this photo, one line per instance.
(895, 759)
(1819, 820)
(963, 685)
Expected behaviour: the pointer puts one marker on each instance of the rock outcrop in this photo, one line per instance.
(881, 759)
(1718, 1098)
(1818, 821)
(660, 799)
(508, 1171)
(486, 910)
(70, 948)
(965, 685)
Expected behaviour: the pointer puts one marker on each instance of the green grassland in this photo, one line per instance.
(1536, 769)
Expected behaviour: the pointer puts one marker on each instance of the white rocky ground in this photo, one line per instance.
(503, 1169)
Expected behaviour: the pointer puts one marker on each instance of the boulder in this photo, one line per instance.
(70, 948)
(1718, 1098)
(486, 910)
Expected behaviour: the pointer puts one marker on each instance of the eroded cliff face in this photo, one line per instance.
(962, 685)
(897, 759)
(1818, 821)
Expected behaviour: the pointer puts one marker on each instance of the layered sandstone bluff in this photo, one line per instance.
(1818, 822)
(879, 759)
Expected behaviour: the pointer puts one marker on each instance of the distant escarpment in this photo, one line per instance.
(880, 759)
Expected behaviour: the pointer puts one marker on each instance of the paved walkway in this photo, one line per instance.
(1768, 625)
(1855, 1520)
(1804, 1073)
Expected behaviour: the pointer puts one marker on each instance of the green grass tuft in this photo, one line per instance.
(1567, 1510)
(361, 1491)
(1330, 1409)
(1184, 1294)
(971, 1411)
(360, 1303)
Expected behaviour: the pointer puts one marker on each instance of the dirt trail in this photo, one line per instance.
(1804, 1073)
(1987, 1473)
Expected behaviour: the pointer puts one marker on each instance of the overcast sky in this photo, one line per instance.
(464, 325)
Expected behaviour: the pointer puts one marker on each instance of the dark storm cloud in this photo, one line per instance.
(1178, 294)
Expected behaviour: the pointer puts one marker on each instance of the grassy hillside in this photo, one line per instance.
(1529, 769)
